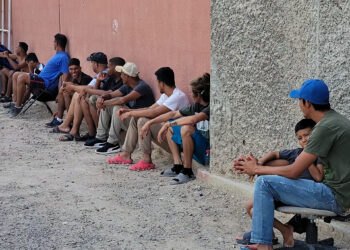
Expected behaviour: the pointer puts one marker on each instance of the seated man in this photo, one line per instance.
(46, 80)
(314, 172)
(190, 132)
(64, 98)
(34, 67)
(171, 99)
(18, 63)
(330, 141)
(135, 93)
(106, 82)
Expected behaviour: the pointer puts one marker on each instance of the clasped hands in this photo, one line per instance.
(246, 165)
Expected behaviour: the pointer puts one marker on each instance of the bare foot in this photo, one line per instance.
(63, 128)
(126, 155)
(288, 236)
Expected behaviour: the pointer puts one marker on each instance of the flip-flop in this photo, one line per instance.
(69, 137)
(142, 166)
(246, 239)
(57, 130)
(119, 160)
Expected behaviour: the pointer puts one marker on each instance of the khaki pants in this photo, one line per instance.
(110, 127)
(133, 132)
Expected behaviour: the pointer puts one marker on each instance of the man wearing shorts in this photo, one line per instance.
(47, 79)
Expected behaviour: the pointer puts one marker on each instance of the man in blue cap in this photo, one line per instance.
(330, 141)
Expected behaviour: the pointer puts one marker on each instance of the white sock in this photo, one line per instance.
(59, 119)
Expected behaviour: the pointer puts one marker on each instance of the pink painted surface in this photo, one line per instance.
(150, 33)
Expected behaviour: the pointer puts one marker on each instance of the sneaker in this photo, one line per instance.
(9, 105)
(6, 99)
(53, 123)
(108, 148)
(94, 143)
(183, 177)
(14, 112)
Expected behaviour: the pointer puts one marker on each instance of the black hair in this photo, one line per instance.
(61, 40)
(319, 107)
(74, 61)
(24, 46)
(117, 61)
(166, 75)
(31, 57)
(304, 123)
(201, 86)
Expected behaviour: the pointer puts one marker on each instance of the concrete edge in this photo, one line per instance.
(340, 231)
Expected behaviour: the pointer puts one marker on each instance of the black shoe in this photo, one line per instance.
(9, 105)
(14, 112)
(53, 123)
(6, 99)
(108, 148)
(94, 143)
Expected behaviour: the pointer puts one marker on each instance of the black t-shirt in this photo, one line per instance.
(85, 79)
(145, 100)
(111, 84)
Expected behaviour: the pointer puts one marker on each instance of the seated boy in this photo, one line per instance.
(315, 172)
(190, 132)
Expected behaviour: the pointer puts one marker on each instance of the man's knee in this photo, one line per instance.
(141, 121)
(187, 130)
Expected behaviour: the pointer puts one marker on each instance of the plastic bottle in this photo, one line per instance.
(207, 157)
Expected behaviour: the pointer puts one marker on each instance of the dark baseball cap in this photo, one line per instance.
(98, 57)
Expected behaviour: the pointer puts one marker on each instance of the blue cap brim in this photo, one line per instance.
(295, 93)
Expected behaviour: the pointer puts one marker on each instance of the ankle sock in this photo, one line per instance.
(177, 168)
(187, 171)
(59, 119)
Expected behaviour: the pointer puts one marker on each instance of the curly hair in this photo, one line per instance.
(201, 86)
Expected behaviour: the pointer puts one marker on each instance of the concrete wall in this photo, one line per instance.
(260, 51)
(151, 33)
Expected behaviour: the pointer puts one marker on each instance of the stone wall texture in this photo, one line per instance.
(260, 51)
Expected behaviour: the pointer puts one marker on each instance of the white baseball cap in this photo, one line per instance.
(129, 69)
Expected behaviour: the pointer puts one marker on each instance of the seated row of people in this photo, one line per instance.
(120, 109)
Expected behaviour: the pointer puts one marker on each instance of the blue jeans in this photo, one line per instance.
(299, 193)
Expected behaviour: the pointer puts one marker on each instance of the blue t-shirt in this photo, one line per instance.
(57, 64)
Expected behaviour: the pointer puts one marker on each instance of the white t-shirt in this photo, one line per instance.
(176, 101)
(93, 81)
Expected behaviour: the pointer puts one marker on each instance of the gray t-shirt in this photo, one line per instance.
(145, 100)
(290, 155)
(195, 108)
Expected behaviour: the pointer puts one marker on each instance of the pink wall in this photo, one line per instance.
(151, 33)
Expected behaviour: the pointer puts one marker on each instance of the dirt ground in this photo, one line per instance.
(60, 195)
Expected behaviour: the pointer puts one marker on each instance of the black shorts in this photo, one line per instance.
(37, 86)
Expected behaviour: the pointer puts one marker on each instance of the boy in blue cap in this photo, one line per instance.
(330, 141)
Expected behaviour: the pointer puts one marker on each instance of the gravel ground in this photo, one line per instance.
(60, 195)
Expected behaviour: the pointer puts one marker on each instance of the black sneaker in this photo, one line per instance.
(9, 105)
(94, 143)
(14, 112)
(53, 123)
(6, 99)
(108, 148)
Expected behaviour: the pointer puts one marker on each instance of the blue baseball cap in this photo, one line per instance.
(312, 90)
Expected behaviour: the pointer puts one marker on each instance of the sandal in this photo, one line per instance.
(69, 137)
(119, 160)
(246, 239)
(57, 130)
(84, 137)
(142, 166)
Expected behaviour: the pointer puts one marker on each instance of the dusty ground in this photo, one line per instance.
(60, 195)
